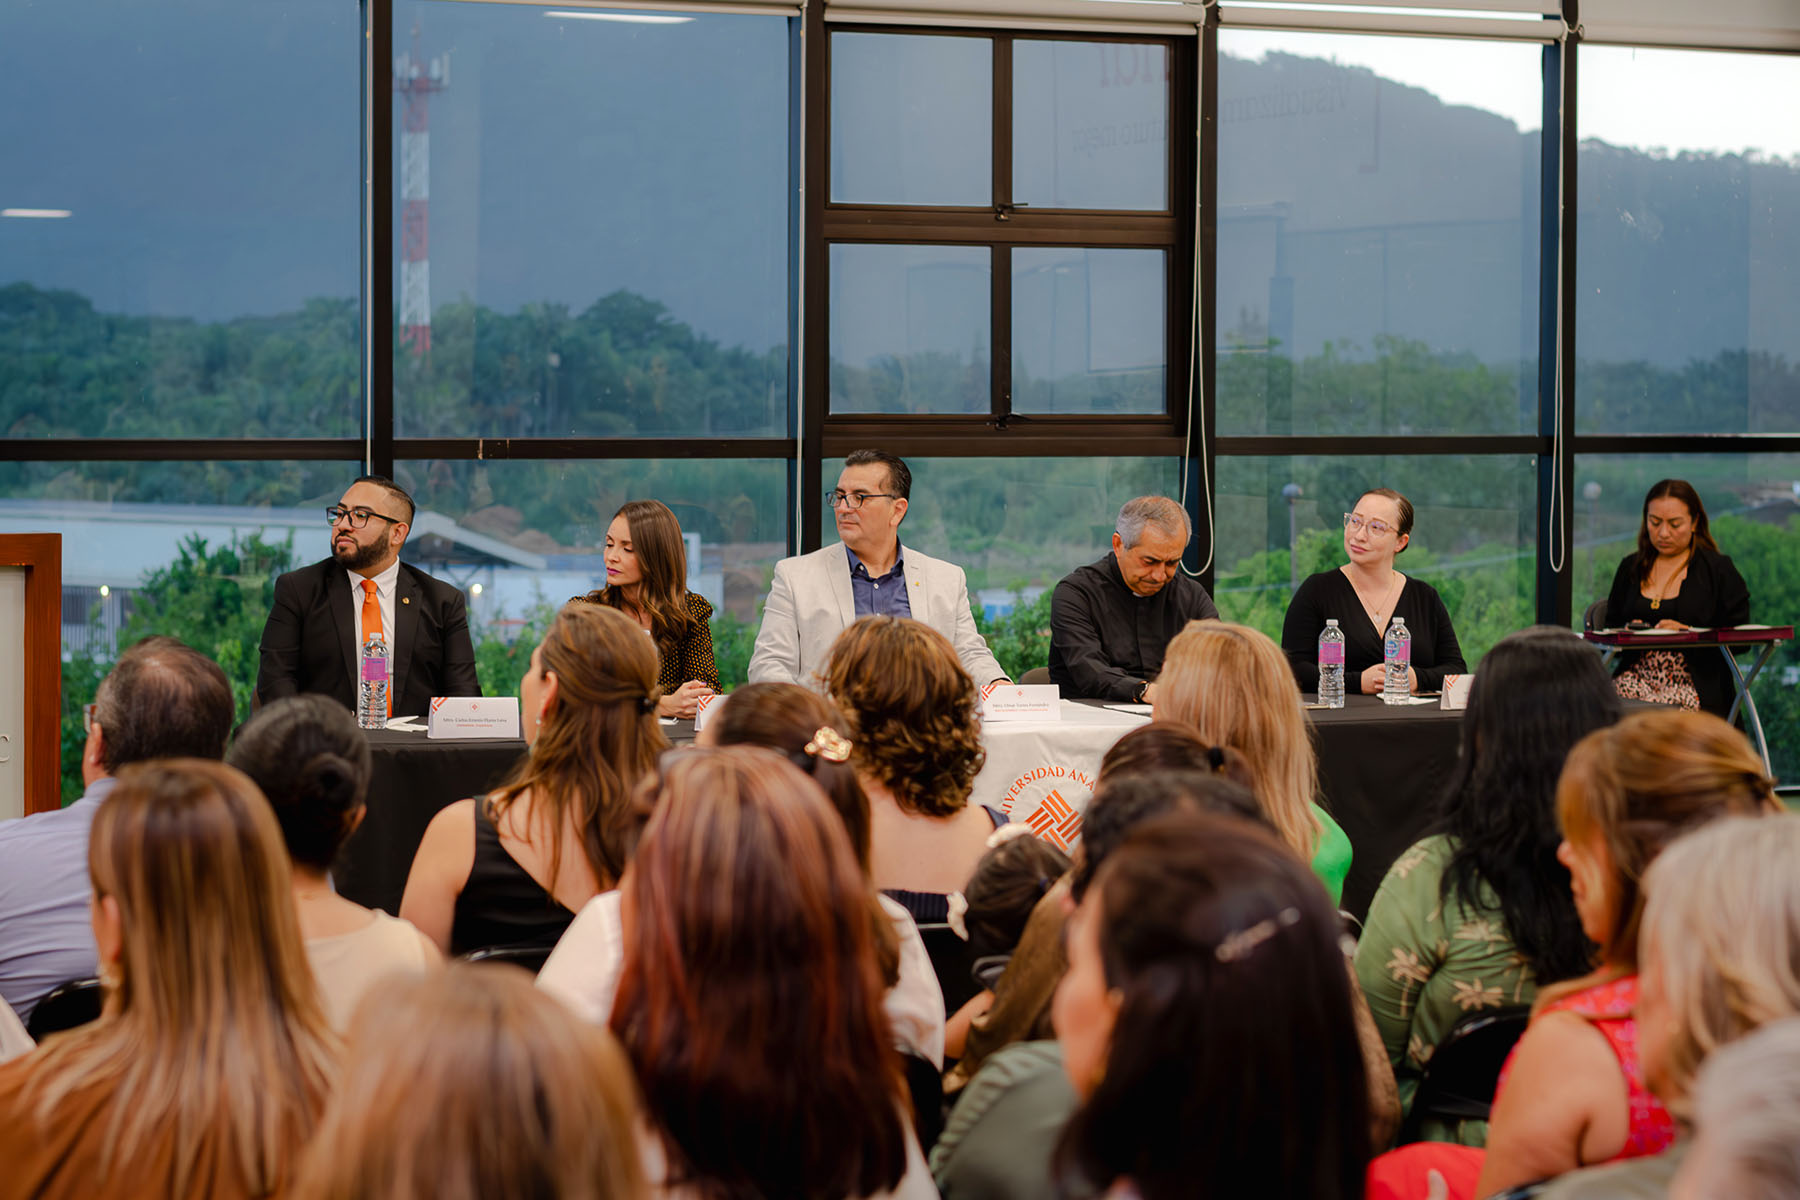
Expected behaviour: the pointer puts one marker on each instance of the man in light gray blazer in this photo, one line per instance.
(816, 596)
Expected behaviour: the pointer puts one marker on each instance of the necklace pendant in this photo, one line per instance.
(1655, 603)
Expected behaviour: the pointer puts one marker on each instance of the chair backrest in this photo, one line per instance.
(67, 1006)
(1036, 675)
(953, 961)
(1595, 616)
(1459, 1078)
(531, 958)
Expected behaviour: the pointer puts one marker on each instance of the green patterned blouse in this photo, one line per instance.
(1425, 963)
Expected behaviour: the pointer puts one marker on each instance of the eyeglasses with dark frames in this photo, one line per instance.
(358, 517)
(854, 500)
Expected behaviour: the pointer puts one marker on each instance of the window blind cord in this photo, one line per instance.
(1197, 365)
(1559, 547)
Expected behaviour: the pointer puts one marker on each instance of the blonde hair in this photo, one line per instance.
(213, 1036)
(473, 1083)
(1640, 784)
(597, 742)
(1233, 687)
(1721, 934)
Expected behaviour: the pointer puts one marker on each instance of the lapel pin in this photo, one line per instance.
(406, 599)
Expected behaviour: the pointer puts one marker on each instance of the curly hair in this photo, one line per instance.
(911, 709)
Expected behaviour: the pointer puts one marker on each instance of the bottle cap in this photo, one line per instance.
(1331, 622)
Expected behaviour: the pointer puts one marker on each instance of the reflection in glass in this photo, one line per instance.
(1091, 125)
(911, 119)
(606, 224)
(1088, 330)
(1473, 538)
(1688, 243)
(1753, 507)
(205, 280)
(909, 328)
(1378, 246)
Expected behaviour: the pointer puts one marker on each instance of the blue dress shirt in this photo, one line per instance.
(46, 934)
(884, 597)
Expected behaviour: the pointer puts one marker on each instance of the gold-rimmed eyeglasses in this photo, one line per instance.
(1356, 523)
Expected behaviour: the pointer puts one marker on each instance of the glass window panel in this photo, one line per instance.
(1378, 234)
(1091, 125)
(1753, 509)
(1089, 333)
(179, 246)
(1017, 526)
(1474, 534)
(909, 328)
(1688, 243)
(911, 119)
(185, 549)
(551, 517)
(589, 252)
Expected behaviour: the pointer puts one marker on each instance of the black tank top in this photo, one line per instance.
(501, 904)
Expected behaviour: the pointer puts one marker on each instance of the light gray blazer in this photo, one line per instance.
(810, 603)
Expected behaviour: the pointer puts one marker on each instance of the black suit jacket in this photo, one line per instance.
(309, 644)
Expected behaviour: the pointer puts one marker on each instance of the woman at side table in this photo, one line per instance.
(1677, 579)
(1365, 595)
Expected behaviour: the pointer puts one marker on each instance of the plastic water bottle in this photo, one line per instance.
(1396, 655)
(372, 684)
(1331, 665)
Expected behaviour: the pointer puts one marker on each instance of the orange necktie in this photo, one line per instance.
(371, 627)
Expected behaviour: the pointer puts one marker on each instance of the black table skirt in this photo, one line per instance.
(1381, 771)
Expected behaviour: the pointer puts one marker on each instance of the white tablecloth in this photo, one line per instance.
(1042, 772)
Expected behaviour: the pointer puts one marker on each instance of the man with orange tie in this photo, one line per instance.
(322, 614)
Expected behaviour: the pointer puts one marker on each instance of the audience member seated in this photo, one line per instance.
(161, 700)
(1747, 1106)
(210, 1063)
(583, 970)
(1477, 915)
(815, 597)
(917, 747)
(750, 958)
(1627, 791)
(513, 868)
(1720, 948)
(996, 904)
(468, 1085)
(1205, 1022)
(1232, 685)
(1111, 620)
(646, 579)
(312, 762)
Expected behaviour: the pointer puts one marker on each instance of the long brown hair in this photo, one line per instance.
(1234, 687)
(912, 712)
(809, 729)
(749, 999)
(1642, 783)
(594, 744)
(1671, 489)
(662, 562)
(472, 1084)
(213, 1036)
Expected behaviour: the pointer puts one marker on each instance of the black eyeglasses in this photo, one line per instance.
(358, 517)
(836, 497)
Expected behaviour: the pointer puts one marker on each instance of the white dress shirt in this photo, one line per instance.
(384, 595)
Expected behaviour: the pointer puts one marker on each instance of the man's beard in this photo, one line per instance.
(360, 557)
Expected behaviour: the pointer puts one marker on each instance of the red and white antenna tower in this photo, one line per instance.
(416, 79)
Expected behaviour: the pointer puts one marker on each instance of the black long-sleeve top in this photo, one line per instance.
(1435, 652)
(1712, 595)
(1106, 641)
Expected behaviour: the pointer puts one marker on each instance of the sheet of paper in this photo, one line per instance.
(1140, 709)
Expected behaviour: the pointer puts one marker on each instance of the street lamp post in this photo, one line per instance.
(1292, 493)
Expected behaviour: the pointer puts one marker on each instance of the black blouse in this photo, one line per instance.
(1712, 595)
(1435, 652)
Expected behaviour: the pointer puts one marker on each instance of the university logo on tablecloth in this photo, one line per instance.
(1049, 798)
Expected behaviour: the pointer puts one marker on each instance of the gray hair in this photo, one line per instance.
(1747, 1106)
(1168, 517)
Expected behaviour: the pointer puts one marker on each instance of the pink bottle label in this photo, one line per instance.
(1331, 654)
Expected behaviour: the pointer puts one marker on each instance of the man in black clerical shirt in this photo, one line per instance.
(1111, 621)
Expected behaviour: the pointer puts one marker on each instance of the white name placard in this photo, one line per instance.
(474, 717)
(704, 709)
(1021, 702)
(1456, 691)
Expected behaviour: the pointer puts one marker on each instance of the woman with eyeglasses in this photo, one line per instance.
(1364, 596)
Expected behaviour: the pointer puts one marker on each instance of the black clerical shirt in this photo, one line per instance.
(1106, 641)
